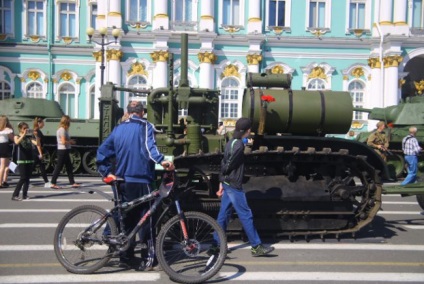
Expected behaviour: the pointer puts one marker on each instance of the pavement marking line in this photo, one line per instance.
(41, 199)
(398, 213)
(75, 278)
(414, 227)
(237, 246)
(322, 276)
(257, 263)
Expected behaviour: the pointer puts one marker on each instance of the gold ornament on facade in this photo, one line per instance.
(114, 14)
(78, 81)
(23, 80)
(137, 69)
(357, 72)
(46, 80)
(317, 73)
(67, 39)
(114, 54)
(66, 76)
(206, 57)
(34, 38)
(356, 125)
(254, 19)
(419, 86)
(206, 17)
(369, 77)
(3, 36)
(34, 75)
(163, 16)
(97, 55)
(159, 56)
(392, 61)
(345, 77)
(230, 70)
(253, 59)
(231, 29)
(374, 62)
(277, 69)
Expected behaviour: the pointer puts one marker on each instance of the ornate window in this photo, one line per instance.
(357, 14)
(34, 90)
(67, 99)
(92, 94)
(6, 16)
(5, 92)
(417, 15)
(35, 21)
(357, 90)
(67, 20)
(140, 83)
(230, 94)
(319, 14)
(316, 84)
(232, 12)
(184, 14)
(277, 13)
(138, 11)
(93, 14)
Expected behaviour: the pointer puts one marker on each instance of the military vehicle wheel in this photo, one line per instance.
(396, 165)
(420, 199)
(89, 162)
(75, 160)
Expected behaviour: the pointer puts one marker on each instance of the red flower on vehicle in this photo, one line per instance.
(267, 98)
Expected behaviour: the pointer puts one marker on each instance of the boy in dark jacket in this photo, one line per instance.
(233, 196)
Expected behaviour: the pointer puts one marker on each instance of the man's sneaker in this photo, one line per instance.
(16, 198)
(47, 185)
(260, 250)
(213, 250)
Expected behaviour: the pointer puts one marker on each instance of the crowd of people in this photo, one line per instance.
(23, 150)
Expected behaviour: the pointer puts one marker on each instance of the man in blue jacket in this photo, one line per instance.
(132, 145)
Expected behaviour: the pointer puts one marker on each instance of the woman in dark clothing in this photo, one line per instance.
(24, 145)
(39, 150)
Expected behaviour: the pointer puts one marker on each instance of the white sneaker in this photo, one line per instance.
(47, 185)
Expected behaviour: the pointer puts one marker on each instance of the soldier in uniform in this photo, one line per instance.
(378, 140)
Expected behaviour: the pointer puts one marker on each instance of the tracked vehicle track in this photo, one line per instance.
(296, 191)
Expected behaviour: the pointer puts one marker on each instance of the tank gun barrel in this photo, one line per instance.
(361, 109)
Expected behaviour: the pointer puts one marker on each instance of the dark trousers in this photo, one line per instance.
(63, 158)
(147, 235)
(39, 162)
(23, 183)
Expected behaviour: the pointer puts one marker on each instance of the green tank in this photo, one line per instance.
(410, 112)
(85, 132)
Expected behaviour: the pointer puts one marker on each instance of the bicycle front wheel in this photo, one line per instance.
(78, 240)
(190, 260)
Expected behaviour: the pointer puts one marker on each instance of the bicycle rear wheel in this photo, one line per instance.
(79, 248)
(189, 262)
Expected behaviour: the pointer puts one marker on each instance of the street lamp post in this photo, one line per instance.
(102, 31)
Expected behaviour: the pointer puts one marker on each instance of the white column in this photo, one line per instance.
(206, 73)
(254, 23)
(114, 66)
(160, 72)
(206, 16)
(375, 99)
(97, 93)
(114, 16)
(399, 17)
(391, 80)
(253, 61)
(161, 18)
(386, 7)
(101, 14)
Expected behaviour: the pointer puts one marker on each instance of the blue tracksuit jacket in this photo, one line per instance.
(133, 145)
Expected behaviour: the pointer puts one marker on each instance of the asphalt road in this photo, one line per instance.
(390, 250)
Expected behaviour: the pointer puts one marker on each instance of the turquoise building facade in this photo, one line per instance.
(370, 48)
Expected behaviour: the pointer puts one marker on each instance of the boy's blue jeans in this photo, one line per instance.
(412, 162)
(235, 198)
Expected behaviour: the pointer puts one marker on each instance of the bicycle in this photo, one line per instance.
(83, 244)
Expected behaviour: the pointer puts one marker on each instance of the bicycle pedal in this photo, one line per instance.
(141, 246)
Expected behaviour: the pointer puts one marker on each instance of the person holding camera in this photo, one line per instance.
(64, 143)
(39, 150)
(24, 160)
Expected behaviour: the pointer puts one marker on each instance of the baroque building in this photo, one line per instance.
(370, 48)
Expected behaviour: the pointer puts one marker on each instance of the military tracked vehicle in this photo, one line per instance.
(85, 131)
(298, 182)
(410, 112)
